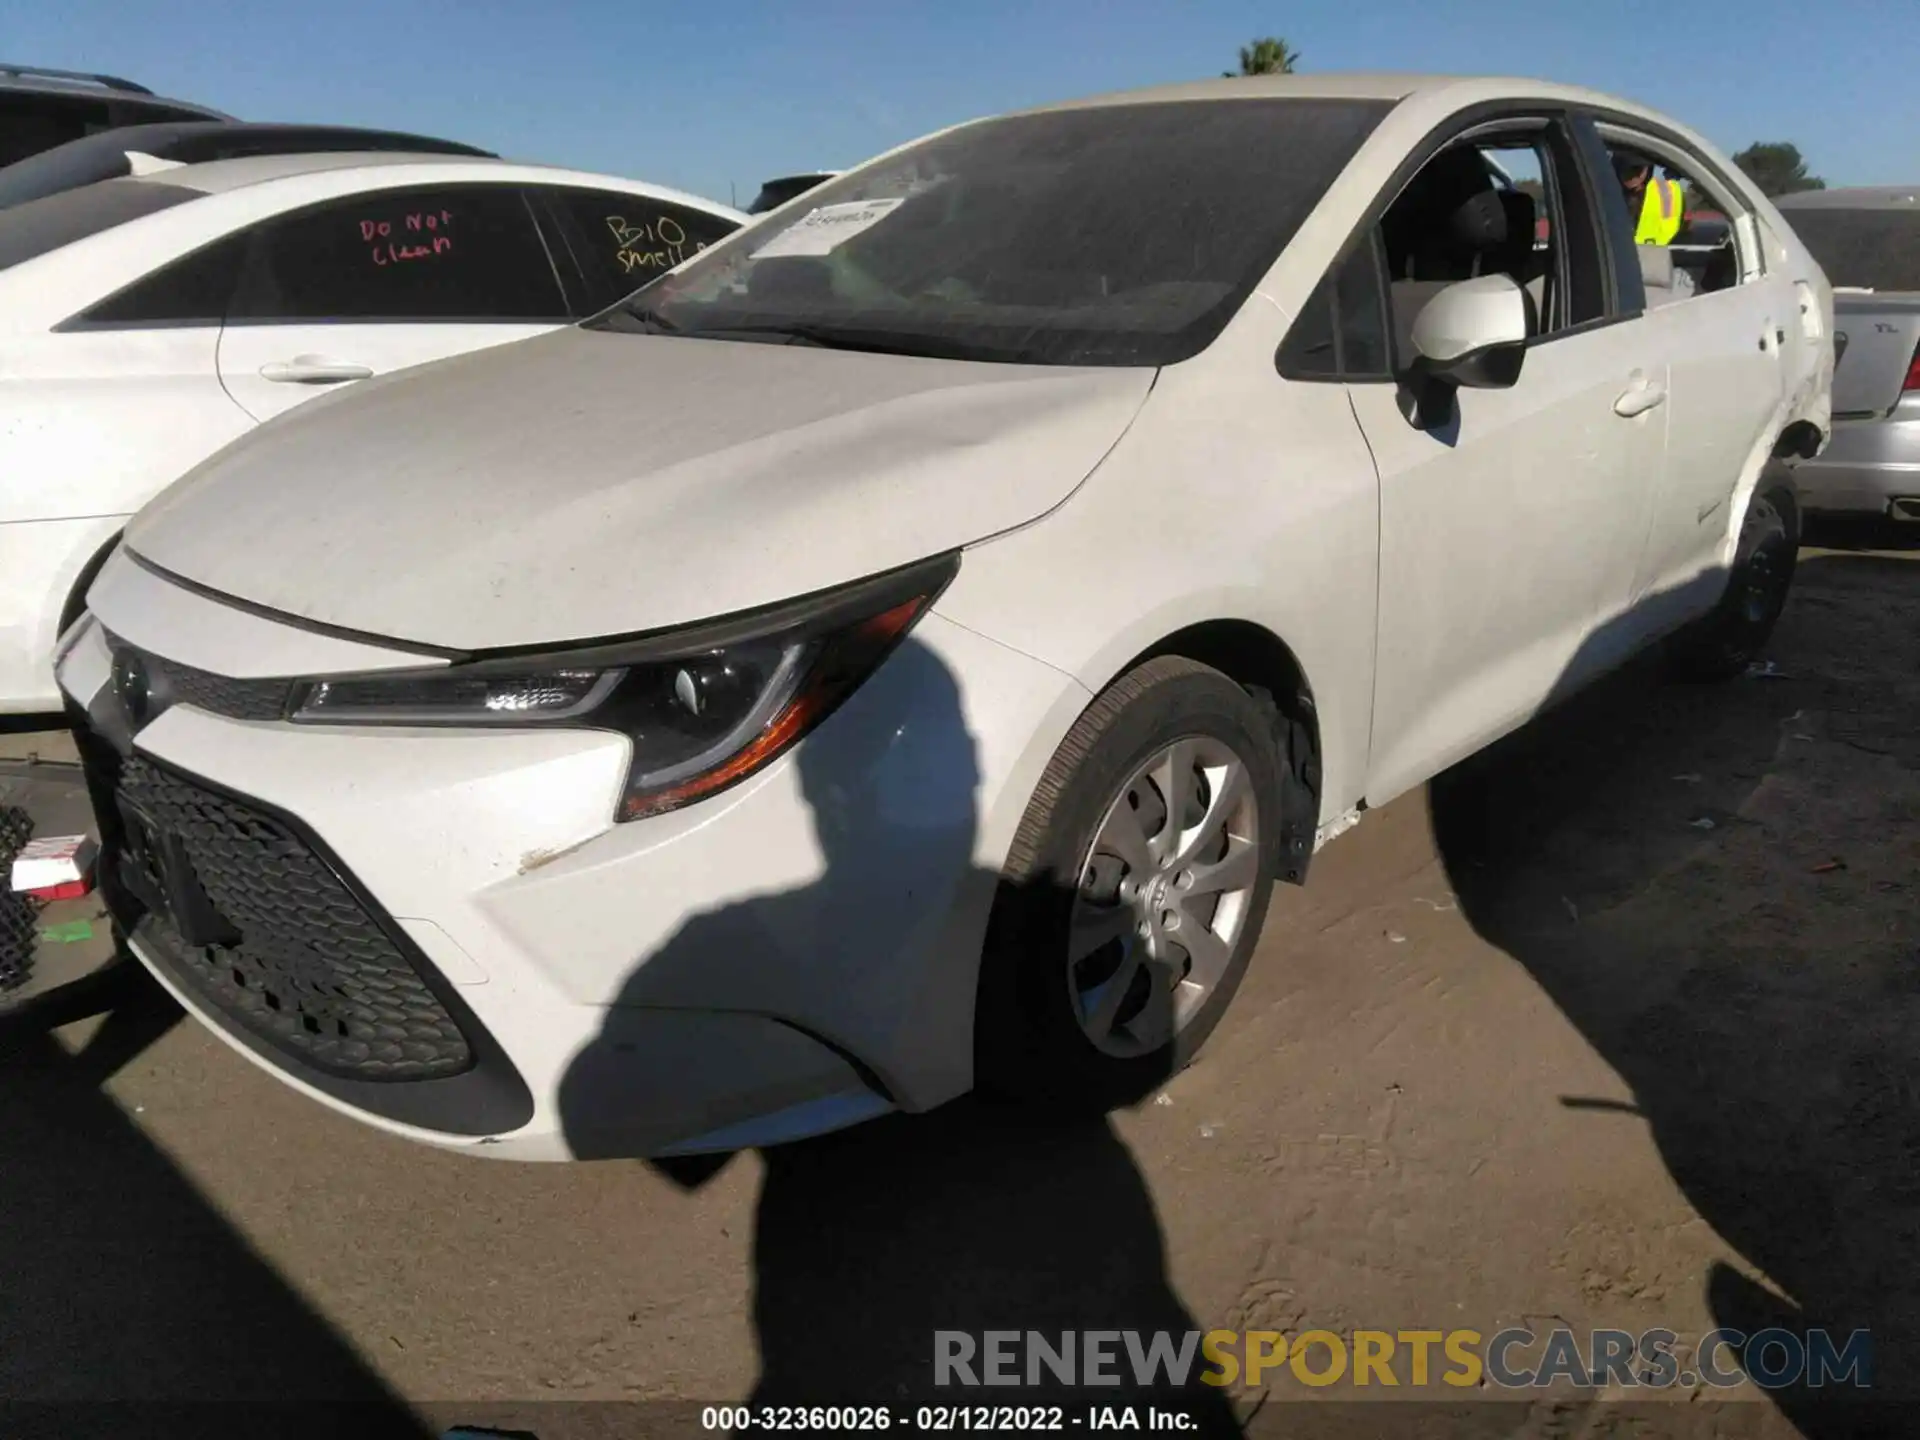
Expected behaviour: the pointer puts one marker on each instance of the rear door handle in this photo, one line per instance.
(1640, 397)
(313, 370)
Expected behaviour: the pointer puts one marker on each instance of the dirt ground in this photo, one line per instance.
(1614, 1026)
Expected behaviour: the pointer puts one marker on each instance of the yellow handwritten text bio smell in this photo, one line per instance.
(656, 245)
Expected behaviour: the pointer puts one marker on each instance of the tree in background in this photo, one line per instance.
(1777, 168)
(1270, 56)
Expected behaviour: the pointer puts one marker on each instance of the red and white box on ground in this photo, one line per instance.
(57, 867)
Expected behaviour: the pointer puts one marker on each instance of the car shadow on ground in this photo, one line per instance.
(1614, 849)
(128, 1304)
(975, 1217)
(1861, 532)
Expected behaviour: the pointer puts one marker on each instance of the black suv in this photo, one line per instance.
(41, 108)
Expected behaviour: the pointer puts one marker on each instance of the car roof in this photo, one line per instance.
(212, 177)
(1858, 197)
(386, 168)
(38, 80)
(107, 154)
(1349, 85)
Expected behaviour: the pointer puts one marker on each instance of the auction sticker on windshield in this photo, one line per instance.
(824, 229)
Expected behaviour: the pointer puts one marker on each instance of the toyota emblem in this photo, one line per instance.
(131, 684)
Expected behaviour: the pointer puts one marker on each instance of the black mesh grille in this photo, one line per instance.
(223, 695)
(302, 964)
(172, 683)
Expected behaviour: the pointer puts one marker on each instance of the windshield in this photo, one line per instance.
(1110, 235)
(1866, 249)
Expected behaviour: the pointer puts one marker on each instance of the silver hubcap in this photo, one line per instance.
(1164, 892)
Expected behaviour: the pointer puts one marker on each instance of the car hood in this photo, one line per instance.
(586, 484)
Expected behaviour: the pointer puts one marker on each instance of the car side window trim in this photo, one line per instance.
(1626, 289)
(1573, 190)
(1651, 130)
(557, 229)
(543, 227)
(1383, 323)
(561, 315)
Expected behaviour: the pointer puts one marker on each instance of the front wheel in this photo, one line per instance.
(1725, 642)
(1134, 891)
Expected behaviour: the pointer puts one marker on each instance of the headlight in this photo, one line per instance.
(704, 707)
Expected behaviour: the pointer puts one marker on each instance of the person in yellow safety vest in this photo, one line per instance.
(1660, 203)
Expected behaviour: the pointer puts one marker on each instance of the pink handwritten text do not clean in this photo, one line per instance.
(386, 249)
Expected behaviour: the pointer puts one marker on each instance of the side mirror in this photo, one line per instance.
(1474, 333)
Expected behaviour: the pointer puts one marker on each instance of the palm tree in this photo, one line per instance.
(1270, 56)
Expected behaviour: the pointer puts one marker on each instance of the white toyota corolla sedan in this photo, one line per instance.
(899, 649)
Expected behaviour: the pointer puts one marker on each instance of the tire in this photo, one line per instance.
(1726, 641)
(1043, 975)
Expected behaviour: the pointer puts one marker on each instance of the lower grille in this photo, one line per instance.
(263, 929)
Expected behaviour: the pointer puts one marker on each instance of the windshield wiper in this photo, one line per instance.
(875, 342)
(637, 320)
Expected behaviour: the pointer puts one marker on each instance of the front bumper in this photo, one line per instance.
(1867, 464)
(791, 956)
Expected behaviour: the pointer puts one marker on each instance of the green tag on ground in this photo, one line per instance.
(67, 932)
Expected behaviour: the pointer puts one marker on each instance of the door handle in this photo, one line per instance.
(1640, 397)
(313, 370)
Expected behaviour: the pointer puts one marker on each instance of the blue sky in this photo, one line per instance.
(706, 93)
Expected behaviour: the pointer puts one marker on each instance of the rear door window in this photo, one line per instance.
(193, 290)
(445, 254)
(1715, 246)
(621, 241)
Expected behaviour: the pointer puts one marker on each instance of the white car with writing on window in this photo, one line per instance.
(147, 321)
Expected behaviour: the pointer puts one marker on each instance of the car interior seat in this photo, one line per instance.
(1451, 223)
(1656, 273)
(1521, 257)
